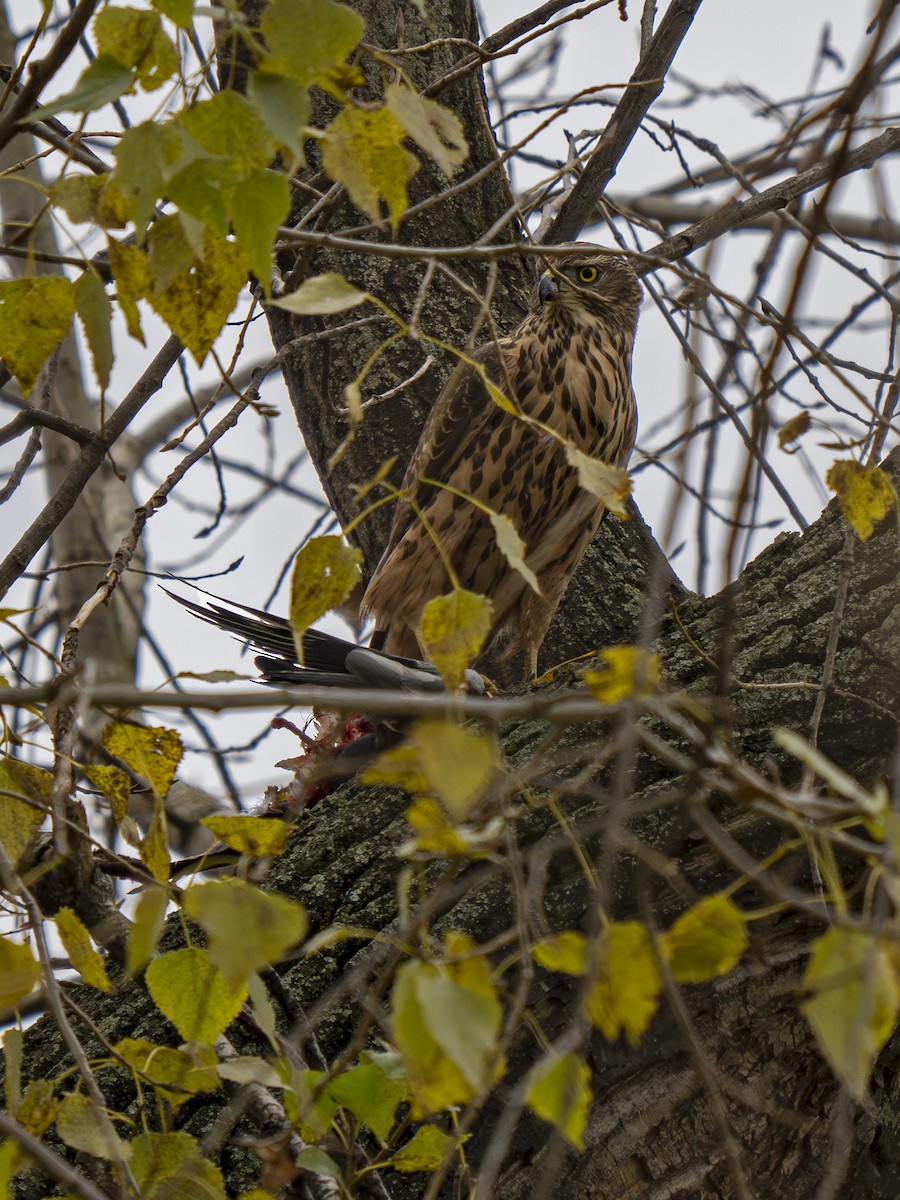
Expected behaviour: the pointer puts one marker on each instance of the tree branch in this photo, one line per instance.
(85, 465)
(644, 87)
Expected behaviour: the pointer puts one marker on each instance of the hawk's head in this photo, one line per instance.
(587, 285)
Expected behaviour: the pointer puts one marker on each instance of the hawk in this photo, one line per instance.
(567, 370)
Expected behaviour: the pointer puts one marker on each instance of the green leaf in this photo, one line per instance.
(364, 151)
(452, 631)
(145, 158)
(83, 1128)
(866, 494)
(425, 1150)
(284, 107)
(706, 941)
(625, 993)
(152, 751)
(193, 994)
(322, 296)
(436, 129)
(136, 38)
(248, 929)
(95, 313)
(853, 1006)
(169, 1165)
(197, 188)
(20, 972)
(559, 1091)
(249, 835)
(317, 1162)
(250, 1069)
(35, 315)
(372, 1096)
(104, 80)
(258, 205)
(325, 573)
(626, 672)
(306, 39)
(77, 942)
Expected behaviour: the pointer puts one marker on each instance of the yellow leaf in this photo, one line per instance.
(136, 39)
(566, 951)
(77, 942)
(19, 820)
(193, 993)
(398, 766)
(196, 303)
(559, 1091)
(307, 39)
(853, 1007)
(132, 276)
(446, 1020)
(247, 928)
(434, 833)
(627, 672)
(229, 127)
(865, 494)
(792, 430)
(38, 1107)
(625, 994)
(322, 296)
(90, 198)
(149, 919)
(453, 630)
(20, 972)
(436, 129)
(82, 1127)
(364, 151)
(166, 1165)
(151, 751)
(35, 315)
(249, 835)
(425, 1150)
(325, 573)
(114, 783)
(706, 941)
(458, 763)
(611, 485)
(513, 548)
(176, 1074)
(154, 846)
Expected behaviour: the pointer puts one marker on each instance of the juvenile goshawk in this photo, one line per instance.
(567, 366)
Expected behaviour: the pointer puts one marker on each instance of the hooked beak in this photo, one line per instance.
(547, 289)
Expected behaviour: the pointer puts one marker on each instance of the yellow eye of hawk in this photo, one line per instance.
(587, 274)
